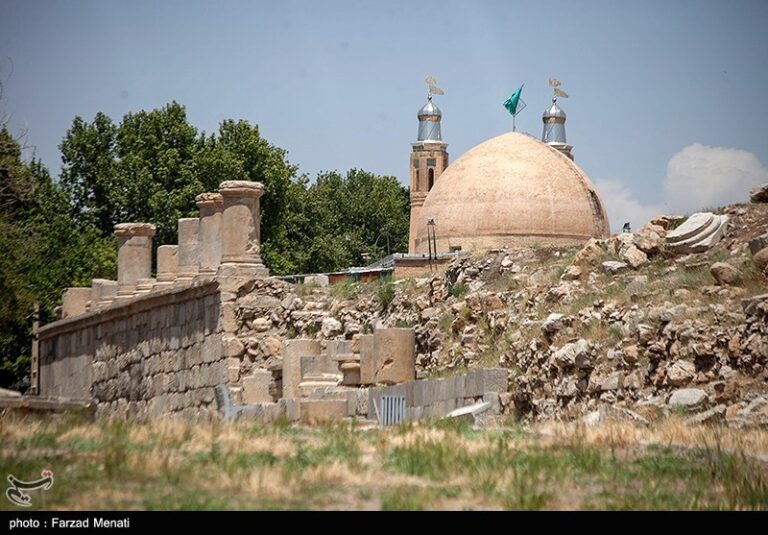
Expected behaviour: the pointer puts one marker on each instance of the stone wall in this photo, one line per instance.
(435, 398)
(156, 354)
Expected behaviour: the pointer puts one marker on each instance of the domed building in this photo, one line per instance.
(511, 190)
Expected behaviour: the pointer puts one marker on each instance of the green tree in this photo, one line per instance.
(348, 220)
(151, 166)
(44, 251)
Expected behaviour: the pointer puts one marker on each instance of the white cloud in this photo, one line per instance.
(622, 208)
(698, 177)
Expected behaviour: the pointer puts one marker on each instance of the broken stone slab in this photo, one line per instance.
(5, 393)
(688, 398)
(706, 239)
(692, 226)
(470, 411)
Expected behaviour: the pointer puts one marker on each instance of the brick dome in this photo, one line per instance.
(512, 190)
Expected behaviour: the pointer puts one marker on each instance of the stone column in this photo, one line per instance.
(189, 249)
(395, 360)
(134, 256)
(210, 206)
(103, 292)
(240, 234)
(167, 266)
(74, 302)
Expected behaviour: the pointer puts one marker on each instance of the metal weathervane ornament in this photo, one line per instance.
(515, 105)
(432, 85)
(554, 83)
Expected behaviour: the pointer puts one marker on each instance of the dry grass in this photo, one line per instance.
(444, 465)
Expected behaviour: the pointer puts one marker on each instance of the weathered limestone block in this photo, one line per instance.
(292, 353)
(74, 302)
(167, 265)
(395, 355)
(189, 249)
(256, 387)
(210, 206)
(134, 256)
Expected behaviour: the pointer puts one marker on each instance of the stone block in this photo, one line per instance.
(395, 355)
(493, 399)
(316, 365)
(361, 401)
(292, 409)
(256, 387)
(418, 390)
(494, 380)
(367, 359)
(337, 348)
(318, 411)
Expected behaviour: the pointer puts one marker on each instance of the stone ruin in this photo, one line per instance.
(170, 345)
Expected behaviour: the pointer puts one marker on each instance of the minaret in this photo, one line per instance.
(429, 159)
(554, 129)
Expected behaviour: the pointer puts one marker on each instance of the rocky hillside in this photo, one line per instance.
(627, 326)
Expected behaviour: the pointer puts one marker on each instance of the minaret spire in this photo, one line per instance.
(429, 158)
(554, 122)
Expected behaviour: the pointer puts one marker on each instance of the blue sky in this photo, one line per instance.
(666, 110)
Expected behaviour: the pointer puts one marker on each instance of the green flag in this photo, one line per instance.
(512, 102)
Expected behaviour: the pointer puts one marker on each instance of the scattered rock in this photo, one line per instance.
(571, 273)
(759, 243)
(725, 274)
(552, 324)
(681, 373)
(591, 253)
(760, 258)
(331, 327)
(575, 354)
(649, 238)
(759, 194)
(634, 257)
(714, 415)
(687, 397)
(612, 267)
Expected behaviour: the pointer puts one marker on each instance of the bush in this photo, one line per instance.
(385, 292)
(459, 290)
